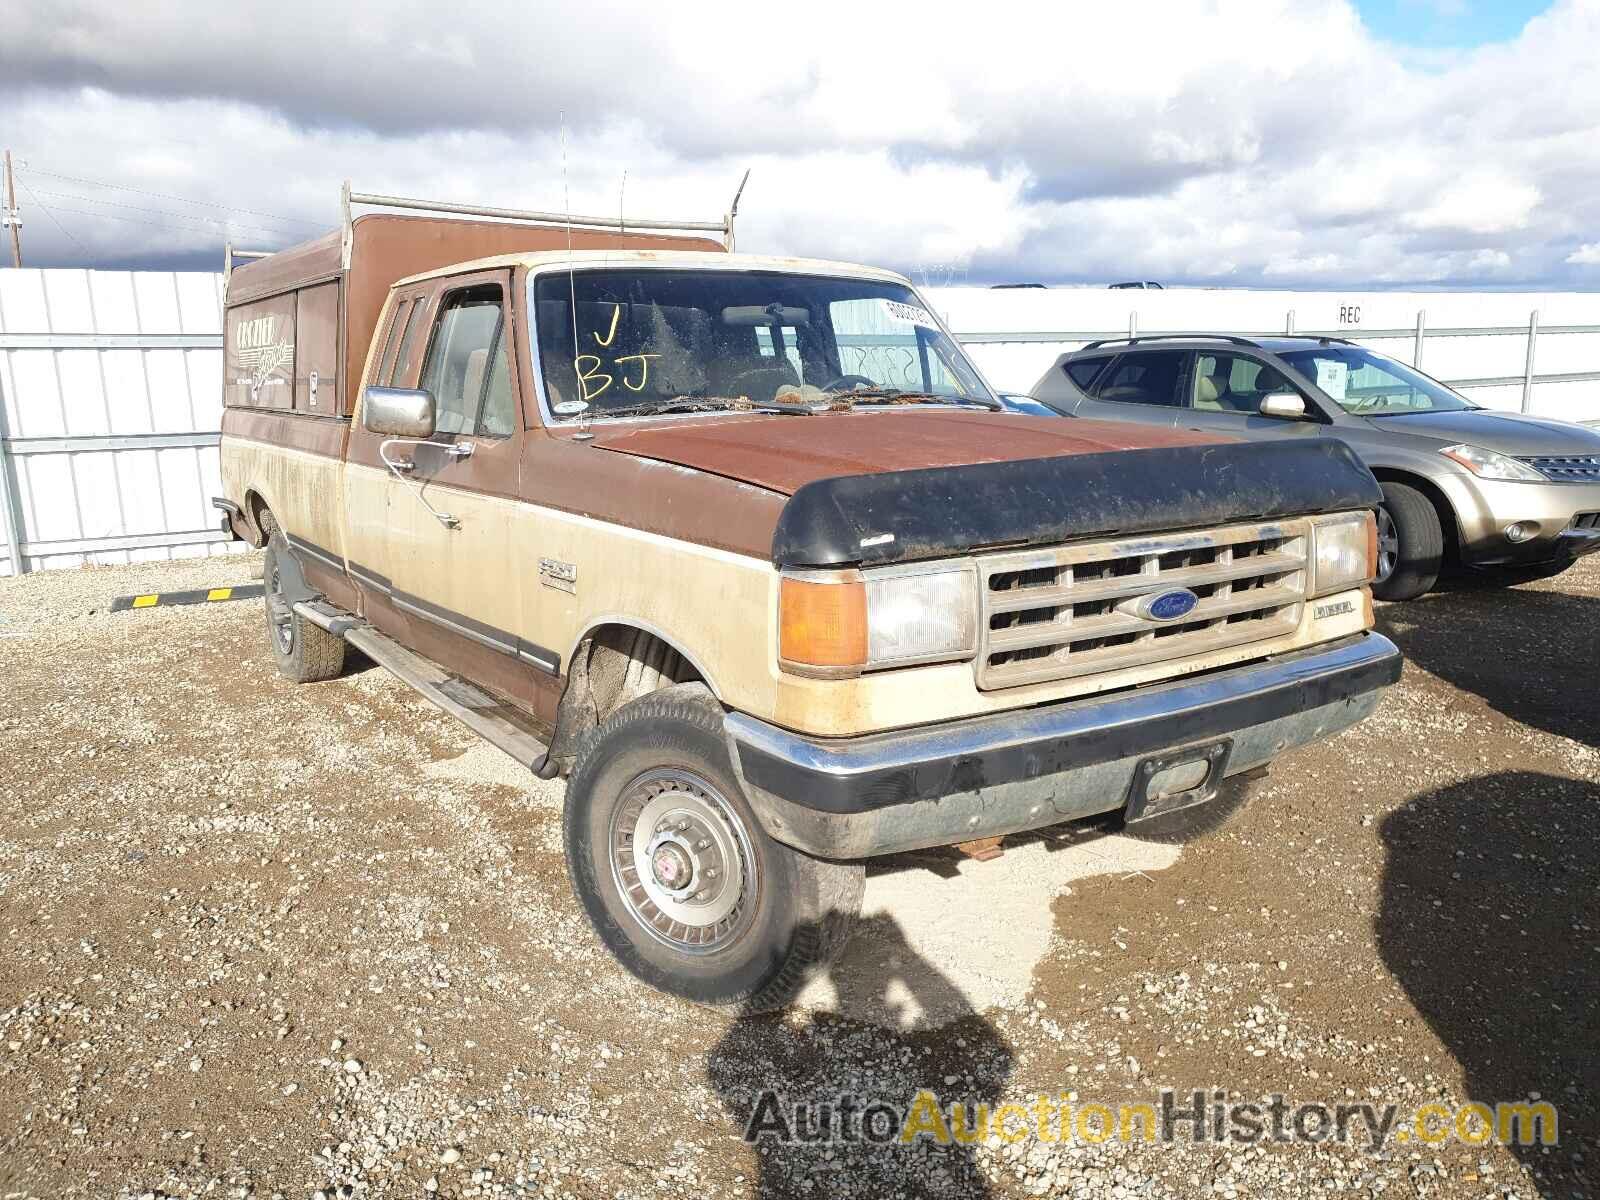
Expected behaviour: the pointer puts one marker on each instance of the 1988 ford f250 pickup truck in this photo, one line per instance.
(747, 547)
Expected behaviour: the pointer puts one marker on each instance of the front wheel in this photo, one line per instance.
(1410, 544)
(677, 876)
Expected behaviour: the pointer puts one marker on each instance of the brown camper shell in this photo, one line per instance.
(298, 323)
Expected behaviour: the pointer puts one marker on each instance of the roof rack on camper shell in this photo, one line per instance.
(341, 280)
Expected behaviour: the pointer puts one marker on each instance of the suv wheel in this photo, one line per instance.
(677, 876)
(1410, 544)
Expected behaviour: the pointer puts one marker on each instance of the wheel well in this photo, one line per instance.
(614, 665)
(256, 509)
(1441, 505)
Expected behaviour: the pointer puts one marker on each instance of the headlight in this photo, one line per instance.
(1486, 464)
(845, 622)
(1344, 552)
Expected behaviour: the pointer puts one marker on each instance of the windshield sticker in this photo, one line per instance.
(910, 314)
(1333, 377)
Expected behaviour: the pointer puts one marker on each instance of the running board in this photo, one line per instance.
(493, 720)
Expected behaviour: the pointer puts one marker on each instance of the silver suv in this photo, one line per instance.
(1510, 496)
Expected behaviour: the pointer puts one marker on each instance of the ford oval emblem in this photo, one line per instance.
(1165, 606)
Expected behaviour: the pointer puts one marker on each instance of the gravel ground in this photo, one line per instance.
(258, 939)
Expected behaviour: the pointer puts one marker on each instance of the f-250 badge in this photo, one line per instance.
(563, 576)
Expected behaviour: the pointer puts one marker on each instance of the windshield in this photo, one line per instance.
(1371, 385)
(663, 340)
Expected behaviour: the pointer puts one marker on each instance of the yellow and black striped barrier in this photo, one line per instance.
(246, 591)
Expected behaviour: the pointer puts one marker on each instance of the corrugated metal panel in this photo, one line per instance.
(125, 358)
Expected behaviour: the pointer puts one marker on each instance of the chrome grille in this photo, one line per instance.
(1567, 468)
(1052, 614)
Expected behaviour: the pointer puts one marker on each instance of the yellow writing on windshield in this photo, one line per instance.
(590, 374)
(644, 369)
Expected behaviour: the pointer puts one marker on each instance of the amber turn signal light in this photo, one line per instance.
(1372, 546)
(822, 625)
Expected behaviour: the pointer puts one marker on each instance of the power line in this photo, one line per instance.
(122, 187)
(160, 212)
(84, 212)
(65, 232)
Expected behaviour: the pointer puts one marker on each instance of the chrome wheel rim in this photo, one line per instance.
(1388, 544)
(682, 861)
(280, 617)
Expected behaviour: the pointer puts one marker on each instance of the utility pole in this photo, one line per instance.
(13, 219)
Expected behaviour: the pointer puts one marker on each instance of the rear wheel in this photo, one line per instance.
(301, 650)
(1410, 544)
(677, 876)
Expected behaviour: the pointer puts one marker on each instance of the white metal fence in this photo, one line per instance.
(111, 382)
(112, 390)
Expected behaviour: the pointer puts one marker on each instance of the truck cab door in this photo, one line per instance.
(453, 572)
(376, 515)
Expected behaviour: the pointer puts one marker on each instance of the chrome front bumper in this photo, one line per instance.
(853, 798)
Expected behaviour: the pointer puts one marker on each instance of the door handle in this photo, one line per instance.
(401, 467)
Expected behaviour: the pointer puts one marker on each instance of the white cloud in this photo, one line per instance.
(1212, 142)
(1586, 255)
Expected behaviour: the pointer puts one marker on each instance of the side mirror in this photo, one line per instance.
(1283, 404)
(398, 412)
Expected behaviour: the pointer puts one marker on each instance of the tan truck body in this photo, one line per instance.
(542, 566)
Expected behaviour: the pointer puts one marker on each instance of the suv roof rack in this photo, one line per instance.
(1233, 338)
(348, 198)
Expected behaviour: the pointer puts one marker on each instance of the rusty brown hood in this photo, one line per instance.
(784, 453)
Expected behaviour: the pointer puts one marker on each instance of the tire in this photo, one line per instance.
(302, 651)
(1410, 544)
(1197, 822)
(661, 765)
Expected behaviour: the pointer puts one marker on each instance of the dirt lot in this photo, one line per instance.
(260, 939)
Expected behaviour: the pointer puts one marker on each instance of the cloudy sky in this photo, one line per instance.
(1261, 143)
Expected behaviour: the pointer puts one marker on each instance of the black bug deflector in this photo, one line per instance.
(901, 516)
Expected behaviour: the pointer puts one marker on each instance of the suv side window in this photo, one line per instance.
(1147, 377)
(1083, 370)
(467, 369)
(1236, 383)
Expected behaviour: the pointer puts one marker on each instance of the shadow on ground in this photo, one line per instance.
(1530, 653)
(1490, 920)
(827, 1062)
